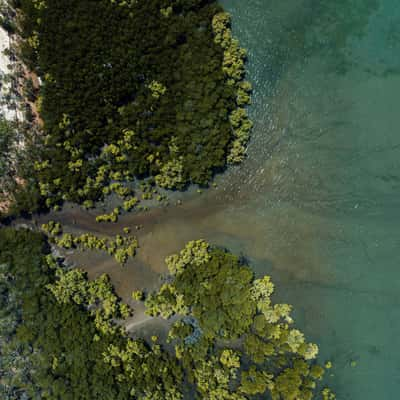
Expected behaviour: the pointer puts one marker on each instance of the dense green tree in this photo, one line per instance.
(221, 305)
(62, 340)
(8, 156)
(134, 89)
(64, 346)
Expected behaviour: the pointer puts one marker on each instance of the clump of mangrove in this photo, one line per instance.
(121, 247)
(59, 338)
(232, 339)
(132, 90)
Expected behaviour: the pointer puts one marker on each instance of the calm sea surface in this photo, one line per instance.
(317, 203)
(323, 213)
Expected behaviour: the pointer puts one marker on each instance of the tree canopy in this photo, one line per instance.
(62, 335)
(221, 304)
(61, 338)
(134, 89)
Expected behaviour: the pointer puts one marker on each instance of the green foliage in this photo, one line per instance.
(233, 66)
(241, 128)
(133, 89)
(255, 382)
(112, 217)
(97, 296)
(130, 203)
(52, 228)
(53, 348)
(219, 302)
(327, 394)
(214, 286)
(137, 295)
(195, 252)
(288, 385)
(88, 204)
(153, 373)
(66, 344)
(8, 157)
(213, 378)
(166, 12)
(65, 326)
(243, 93)
(166, 302)
(121, 247)
(257, 349)
(157, 89)
(14, 364)
(230, 359)
(328, 365)
(171, 175)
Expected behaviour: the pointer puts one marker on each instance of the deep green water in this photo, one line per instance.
(317, 203)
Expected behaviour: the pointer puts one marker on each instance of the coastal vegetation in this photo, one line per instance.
(53, 342)
(8, 152)
(132, 90)
(121, 247)
(63, 342)
(150, 91)
(230, 340)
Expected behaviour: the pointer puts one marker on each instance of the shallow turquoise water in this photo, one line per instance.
(327, 93)
(316, 204)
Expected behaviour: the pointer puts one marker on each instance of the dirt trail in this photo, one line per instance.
(130, 325)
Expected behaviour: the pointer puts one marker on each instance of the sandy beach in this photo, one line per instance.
(7, 109)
